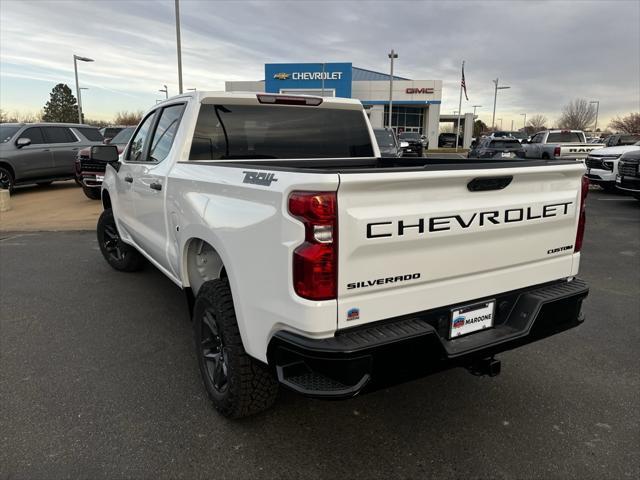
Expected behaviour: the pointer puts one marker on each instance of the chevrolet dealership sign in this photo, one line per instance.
(309, 76)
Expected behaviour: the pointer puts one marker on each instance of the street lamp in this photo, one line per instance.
(165, 91)
(392, 55)
(474, 109)
(524, 126)
(597, 102)
(75, 69)
(495, 99)
(179, 46)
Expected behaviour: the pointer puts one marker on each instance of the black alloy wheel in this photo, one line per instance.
(213, 352)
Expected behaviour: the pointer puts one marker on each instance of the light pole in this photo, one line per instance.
(166, 91)
(179, 46)
(495, 99)
(393, 55)
(512, 124)
(597, 102)
(75, 68)
(474, 109)
(500, 123)
(524, 125)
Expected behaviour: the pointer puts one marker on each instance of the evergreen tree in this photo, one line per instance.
(62, 105)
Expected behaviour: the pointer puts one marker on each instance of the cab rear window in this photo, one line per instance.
(275, 131)
(565, 137)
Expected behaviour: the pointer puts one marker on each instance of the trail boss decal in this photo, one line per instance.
(480, 219)
(259, 178)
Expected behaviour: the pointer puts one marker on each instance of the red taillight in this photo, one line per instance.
(583, 199)
(556, 152)
(289, 100)
(315, 262)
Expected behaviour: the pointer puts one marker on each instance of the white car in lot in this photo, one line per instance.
(602, 164)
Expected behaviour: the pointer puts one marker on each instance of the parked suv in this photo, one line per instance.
(387, 142)
(602, 164)
(414, 143)
(628, 178)
(41, 153)
(622, 139)
(448, 140)
(504, 147)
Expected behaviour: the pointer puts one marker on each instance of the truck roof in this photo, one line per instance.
(251, 98)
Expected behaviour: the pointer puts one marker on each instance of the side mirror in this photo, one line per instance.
(104, 153)
(404, 144)
(23, 142)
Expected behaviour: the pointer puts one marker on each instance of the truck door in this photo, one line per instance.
(149, 185)
(134, 159)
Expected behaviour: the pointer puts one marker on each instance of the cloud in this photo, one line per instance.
(548, 52)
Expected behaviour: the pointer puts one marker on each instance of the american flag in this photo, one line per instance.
(463, 84)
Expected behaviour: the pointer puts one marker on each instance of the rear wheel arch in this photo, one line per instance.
(201, 263)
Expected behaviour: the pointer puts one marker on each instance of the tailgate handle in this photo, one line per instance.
(482, 184)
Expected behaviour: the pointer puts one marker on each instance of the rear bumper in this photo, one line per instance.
(396, 350)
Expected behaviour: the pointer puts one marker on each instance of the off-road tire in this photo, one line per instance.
(127, 259)
(250, 388)
(92, 192)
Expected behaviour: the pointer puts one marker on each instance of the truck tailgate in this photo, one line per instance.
(413, 241)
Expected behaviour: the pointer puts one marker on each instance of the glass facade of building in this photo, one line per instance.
(404, 119)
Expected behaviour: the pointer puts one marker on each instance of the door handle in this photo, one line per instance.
(128, 179)
(156, 186)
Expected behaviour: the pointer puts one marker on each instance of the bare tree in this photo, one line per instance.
(627, 124)
(578, 114)
(20, 117)
(538, 122)
(128, 118)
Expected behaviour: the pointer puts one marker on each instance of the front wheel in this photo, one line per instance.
(118, 254)
(92, 192)
(237, 384)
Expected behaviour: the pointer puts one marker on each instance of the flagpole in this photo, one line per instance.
(459, 110)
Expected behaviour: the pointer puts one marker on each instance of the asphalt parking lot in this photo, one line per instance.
(98, 380)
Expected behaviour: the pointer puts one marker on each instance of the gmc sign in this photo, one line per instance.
(413, 91)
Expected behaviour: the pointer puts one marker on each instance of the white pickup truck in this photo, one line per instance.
(314, 263)
(559, 144)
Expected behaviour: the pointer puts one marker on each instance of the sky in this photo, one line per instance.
(548, 52)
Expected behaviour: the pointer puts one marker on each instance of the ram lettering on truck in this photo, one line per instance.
(312, 263)
(559, 144)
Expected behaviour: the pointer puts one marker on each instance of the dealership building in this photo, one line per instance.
(416, 103)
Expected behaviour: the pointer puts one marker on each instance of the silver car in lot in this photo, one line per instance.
(42, 152)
